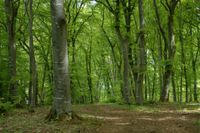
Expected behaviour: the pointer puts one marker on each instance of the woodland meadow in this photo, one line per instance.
(99, 66)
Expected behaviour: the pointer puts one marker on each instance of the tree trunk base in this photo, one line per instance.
(53, 115)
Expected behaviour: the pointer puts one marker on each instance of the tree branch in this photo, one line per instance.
(109, 7)
(159, 22)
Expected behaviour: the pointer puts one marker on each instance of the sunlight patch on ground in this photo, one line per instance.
(122, 123)
(185, 110)
(182, 118)
(100, 117)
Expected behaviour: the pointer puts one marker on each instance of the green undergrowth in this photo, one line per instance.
(154, 107)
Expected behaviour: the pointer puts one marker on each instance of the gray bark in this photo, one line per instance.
(62, 94)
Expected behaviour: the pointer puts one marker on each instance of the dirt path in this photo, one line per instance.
(107, 119)
(167, 120)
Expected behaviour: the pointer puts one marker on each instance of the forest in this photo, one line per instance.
(99, 66)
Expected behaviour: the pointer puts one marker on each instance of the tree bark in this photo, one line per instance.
(174, 88)
(169, 49)
(181, 86)
(33, 87)
(124, 42)
(62, 95)
(194, 62)
(141, 57)
(11, 10)
(88, 55)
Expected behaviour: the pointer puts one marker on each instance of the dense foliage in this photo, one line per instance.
(96, 32)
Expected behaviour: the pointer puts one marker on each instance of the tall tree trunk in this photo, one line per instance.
(169, 63)
(133, 65)
(183, 57)
(160, 55)
(141, 57)
(194, 61)
(169, 50)
(126, 85)
(181, 86)
(33, 67)
(62, 95)
(124, 42)
(11, 10)
(73, 71)
(146, 92)
(174, 88)
(195, 81)
(89, 70)
(154, 76)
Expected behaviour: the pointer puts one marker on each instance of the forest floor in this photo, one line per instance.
(108, 118)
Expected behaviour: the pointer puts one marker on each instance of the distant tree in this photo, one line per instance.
(33, 83)
(142, 55)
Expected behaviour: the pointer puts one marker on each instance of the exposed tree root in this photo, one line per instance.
(76, 116)
(53, 115)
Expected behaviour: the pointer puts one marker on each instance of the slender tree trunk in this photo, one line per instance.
(194, 61)
(62, 95)
(142, 55)
(154, 84)
(195, 80)
(186, 84)
(183, 57)
(126, 86)
(42, 94)
(11, 8)
(160, 59)
(174, 88)
(169, 48)
(73, 71)
(169, 64)
(146, 92)
(181, 87)
(124, 42)
(89, 70)
(33, 67)
(133, 65)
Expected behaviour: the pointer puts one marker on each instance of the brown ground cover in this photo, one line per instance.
(108, 118)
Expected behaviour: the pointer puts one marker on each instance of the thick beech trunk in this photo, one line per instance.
(62, 94)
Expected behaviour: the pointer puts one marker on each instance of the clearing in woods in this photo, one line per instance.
(108, 118)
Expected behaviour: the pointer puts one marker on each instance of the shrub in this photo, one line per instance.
(5, 107)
